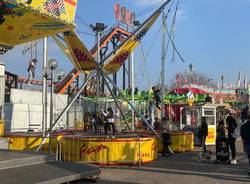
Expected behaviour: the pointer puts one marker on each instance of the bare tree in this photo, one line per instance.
(189, 78)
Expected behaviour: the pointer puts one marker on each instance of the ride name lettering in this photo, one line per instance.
(120, 58)
(84, 149)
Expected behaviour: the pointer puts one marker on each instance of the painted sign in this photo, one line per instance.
(123, 15)
(211, 137)
(82, 57)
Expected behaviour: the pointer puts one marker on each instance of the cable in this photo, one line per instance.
(85, 33)
(85, 23)
(157, 34)
(176, 50)
(145, 65)
(171, 41)
(150, 48)
(144, 11)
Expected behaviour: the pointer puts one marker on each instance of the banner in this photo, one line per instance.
(82, 57)
(122, 54)
(23, 21)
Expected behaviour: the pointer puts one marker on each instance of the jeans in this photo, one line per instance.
(30, 76)
(248, 152)
(232, 147)
(107, 126)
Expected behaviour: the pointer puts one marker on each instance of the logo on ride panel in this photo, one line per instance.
(85, 149)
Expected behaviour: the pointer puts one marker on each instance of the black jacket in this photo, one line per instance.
(245, 132)
(204, 130)
(232, 125)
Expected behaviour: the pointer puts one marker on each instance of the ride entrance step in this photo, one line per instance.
(26, 167)
(10, 159)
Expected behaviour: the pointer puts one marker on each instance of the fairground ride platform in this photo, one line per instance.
(32, 167)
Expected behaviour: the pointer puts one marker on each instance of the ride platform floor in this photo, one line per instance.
(31, 167)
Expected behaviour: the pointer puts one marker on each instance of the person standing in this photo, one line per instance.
(221, 129)
(151, 110)
(31, 70)
(110, 120)
(245, 132)
(166, 138)
(203, 134)
(231, 125)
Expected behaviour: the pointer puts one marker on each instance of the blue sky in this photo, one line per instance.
(213, 35)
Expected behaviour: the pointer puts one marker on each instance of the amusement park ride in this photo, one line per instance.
(57, 20)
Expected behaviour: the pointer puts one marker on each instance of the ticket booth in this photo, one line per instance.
(209, 112)
(191, 119)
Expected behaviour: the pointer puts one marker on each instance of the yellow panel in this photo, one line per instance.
(1, 128)
(109, 151)
(60, 9)
(211, 137)
(122, 54)
(29, 143)
(82, 56)
(20, 24)
(182, 141)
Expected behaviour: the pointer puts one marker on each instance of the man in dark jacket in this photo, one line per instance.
(232, 125)
(203, 134)
(245, 136)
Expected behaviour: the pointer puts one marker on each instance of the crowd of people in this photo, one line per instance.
(97, 120)
(231, 132)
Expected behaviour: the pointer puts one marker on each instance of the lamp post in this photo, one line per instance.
(52, 67)
(98, 29)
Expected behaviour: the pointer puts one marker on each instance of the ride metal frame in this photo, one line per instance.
(106, 80)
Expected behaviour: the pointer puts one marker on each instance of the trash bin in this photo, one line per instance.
(182, 141)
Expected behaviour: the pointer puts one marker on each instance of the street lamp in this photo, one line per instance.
(49, 72)
(98, 29)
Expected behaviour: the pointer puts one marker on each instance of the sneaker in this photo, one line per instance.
(200, 155)
(29, 84)
(233, 162)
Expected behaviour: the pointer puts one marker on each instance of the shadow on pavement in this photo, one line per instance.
(188, 164)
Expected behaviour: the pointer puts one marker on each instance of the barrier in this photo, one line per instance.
(99, 149)
(106, 151)
(182, 141)
(29, 142)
